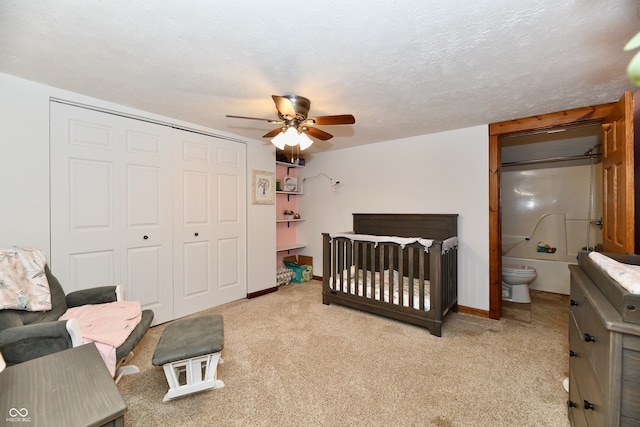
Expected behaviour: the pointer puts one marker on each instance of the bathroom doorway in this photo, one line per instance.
(566, 119)
(551, 206)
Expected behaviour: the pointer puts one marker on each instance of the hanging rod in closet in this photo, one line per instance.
(550, 160)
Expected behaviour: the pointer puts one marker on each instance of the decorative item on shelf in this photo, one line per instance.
(288, 214)
(296, 216)
(278, 185)
(290, 183)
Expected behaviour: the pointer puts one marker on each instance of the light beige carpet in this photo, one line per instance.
(290, 360)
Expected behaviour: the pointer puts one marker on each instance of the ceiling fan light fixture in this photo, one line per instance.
(295, 125)
(278, 141)
(290, 136)
(304, 141)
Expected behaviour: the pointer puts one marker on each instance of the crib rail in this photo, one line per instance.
(347, 262)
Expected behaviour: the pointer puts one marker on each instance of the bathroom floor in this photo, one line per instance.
(546, 309)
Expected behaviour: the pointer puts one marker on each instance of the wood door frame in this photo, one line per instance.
(577, 117)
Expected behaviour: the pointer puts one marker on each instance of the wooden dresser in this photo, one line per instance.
(70, 388)
(604, 362)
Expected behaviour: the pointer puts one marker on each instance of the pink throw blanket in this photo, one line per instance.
(107, 325)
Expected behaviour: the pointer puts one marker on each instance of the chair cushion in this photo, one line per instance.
(187, 338)
(32, 341)
(136, 335)
(11, 318)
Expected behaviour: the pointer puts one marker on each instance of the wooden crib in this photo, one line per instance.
(392, 276)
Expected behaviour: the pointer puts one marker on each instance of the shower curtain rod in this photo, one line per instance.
(550, 160)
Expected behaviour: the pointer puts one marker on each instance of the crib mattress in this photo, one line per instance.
(360, 289)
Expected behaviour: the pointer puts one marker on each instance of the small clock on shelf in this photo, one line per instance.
(290, 184)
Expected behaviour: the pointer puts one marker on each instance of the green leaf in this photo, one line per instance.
(633, 70)
(634, 43)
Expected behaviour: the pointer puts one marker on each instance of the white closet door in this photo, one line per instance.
(147, 258)
(111, 205)
(231, 224)
(85, 198)
(210, 222)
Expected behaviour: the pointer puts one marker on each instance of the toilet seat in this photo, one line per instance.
(518, 270)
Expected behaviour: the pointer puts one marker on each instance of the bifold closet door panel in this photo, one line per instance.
(111, 205)
(209, 222)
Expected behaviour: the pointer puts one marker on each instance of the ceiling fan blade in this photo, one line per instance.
(272, 133)
(317, 133)
(342, 119)
(284, 106)
(254, 118)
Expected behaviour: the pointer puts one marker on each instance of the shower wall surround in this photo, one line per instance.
(549, 208)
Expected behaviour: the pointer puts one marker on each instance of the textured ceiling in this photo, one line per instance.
(402, 68)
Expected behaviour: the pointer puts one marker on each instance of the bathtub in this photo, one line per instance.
(553, 276)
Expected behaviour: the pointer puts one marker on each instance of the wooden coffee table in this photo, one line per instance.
(69, 388)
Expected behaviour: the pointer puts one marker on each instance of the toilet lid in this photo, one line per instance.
(518, 269)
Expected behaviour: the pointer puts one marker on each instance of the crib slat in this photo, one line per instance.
(381, 270)
(422, 256)
(334, 263)
(372, 272)
(392, 250)
(356, 258)
(435, 274)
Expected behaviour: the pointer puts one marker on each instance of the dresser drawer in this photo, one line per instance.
(593, 402)
(630, 394)
(576, 301)
(575, 408)
(578, 362)
(584, 389)
(596, 340)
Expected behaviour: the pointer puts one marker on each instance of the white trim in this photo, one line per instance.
(144, 119)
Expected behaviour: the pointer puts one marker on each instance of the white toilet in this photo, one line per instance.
(515, 282)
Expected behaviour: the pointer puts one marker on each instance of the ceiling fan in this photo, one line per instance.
(295, 124)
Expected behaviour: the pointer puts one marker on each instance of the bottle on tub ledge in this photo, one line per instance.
(543, 247)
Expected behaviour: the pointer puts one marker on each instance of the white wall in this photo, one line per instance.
(24, 171)
(439, 173)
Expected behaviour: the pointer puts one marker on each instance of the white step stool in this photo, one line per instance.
(191, 347)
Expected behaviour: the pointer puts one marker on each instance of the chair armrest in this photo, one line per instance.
(99, 295)
(22, 343)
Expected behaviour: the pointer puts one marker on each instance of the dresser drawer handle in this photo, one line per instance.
(588, 405)
(589, 338)
(571, 404)
(573, 353)
(572, 303)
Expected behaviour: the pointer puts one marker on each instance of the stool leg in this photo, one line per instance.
(194, 375)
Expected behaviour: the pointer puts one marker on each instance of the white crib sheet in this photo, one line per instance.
(396, 288)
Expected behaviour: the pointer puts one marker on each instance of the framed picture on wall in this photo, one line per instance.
(263, 187)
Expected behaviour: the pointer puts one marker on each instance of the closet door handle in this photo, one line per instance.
(571, 404)
(572, 303)
(573, 353)
(588, 405)
(589, 338)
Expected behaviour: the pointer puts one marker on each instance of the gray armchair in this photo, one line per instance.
(26, 335)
